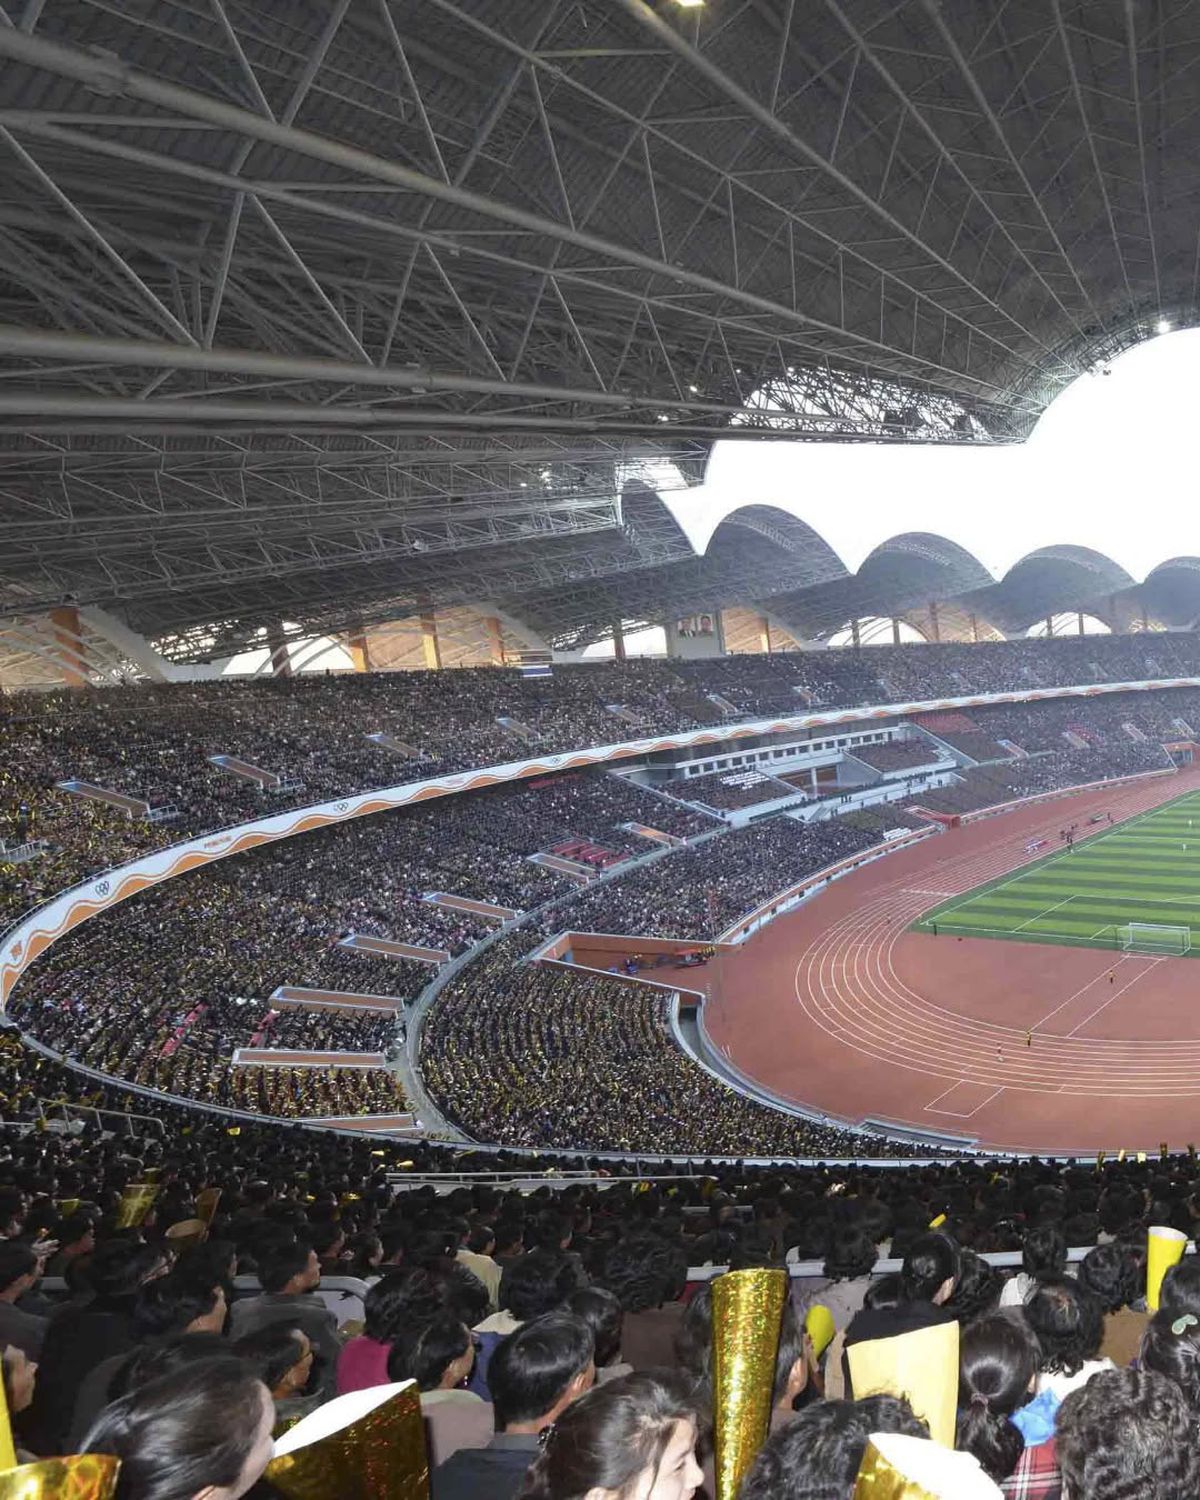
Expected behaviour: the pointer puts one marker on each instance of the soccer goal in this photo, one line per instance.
(1153, 937)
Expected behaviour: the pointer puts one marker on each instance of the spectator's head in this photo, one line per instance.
(852, 1253)
(816, 1456)
(1180, 1291)
(996, 1364)
(76, 1234)
(481, 1240)
(601, 1311)
(438, 1355)
(401, 1299)
(1044, 1253)
(1110, 1273)
(202, 1433)
(178, 1303)
(645, 1271)
(536, 1372)
(289, 1269)
(1068, 1324)
(884, 1291)
(18, 1270)
(536, 1284)
(977, 1290)
(328, 1239)
(930, 1269)
(119, 1267)
(1171, 1345)
(634, 1436)
(281, 1356)
(1127, 1434)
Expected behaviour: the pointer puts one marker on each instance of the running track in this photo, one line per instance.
(839, 1006)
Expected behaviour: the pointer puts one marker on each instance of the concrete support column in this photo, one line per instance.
(855, 634)
(1080, 619)
(975, 627)
(495, 639)
(764, 635)
(895, 631)
(72, 659)
(618, 641)
(1049, 625)
(430, 646)
(935, 626)
(281, 657)
(360, 653)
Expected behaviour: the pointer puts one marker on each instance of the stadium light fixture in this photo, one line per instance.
(1162, 326)
(689, 4)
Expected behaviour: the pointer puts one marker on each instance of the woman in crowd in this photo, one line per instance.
(440, 1355)
(402, 1299)
(1043, 1258)
(202, 1433)
(631, 1436)
(1069, 1327)
(997, 1368)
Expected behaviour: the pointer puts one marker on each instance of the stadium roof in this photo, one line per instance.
(331, 311)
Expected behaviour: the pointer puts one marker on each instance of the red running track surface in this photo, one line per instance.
(838, 1005)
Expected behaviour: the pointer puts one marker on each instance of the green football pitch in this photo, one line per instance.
(1145, 870)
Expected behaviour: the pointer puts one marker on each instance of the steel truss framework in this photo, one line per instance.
(330, 309)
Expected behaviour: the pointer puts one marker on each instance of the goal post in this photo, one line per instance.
(1154, 937)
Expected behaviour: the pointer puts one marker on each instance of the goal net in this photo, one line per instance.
(1153, 937)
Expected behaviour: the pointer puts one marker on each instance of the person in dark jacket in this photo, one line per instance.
(534, 1375)
(288, 1276)
(927, 1280)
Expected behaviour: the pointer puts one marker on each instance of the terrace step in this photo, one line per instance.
(377, 947)
(397, 1124)
(287, 1057)
(570, 868)
(269, 781)
(397, 747)
(132, 807)
(487, 909)
(297, 997)
(653, 835)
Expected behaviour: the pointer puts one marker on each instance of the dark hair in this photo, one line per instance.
(644, 1272)
(1181, 1287)
(1175, 1355)
(183, 1432)
(424, 1352)
(74, 1227)
(271, 1351)
(851, 1253)
(153, 1361)
(601, 1311)
(996, 1363)
(1044, 1252)
(977, 1289)
(1109, 1273)
(406, 1296)
(1128, 1433)
(169, 1303)
(277, 1266)
(693, 1337)
(531, 1368)
(322, 1237)
(817, 1455)
(118, 1267)
(884, 1291)
(536, 1284)
(16, 1260)
(1068, 1323)
(931, 1260)
(480, 1237)
(611, 1436)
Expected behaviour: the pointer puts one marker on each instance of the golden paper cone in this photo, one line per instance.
(8, 1451)
(380, 1456)
(206, 1203)
(67, 1207)
(747, 1307)
(136, 1202)
(1164, 1248)
(86, 1476)
(820, 1327)
(895, 1467)
(922, 1366)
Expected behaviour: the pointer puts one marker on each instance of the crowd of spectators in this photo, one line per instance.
(899, 755)
(990, 785)
(729, 790)
(559, 1340)
(329, 736)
